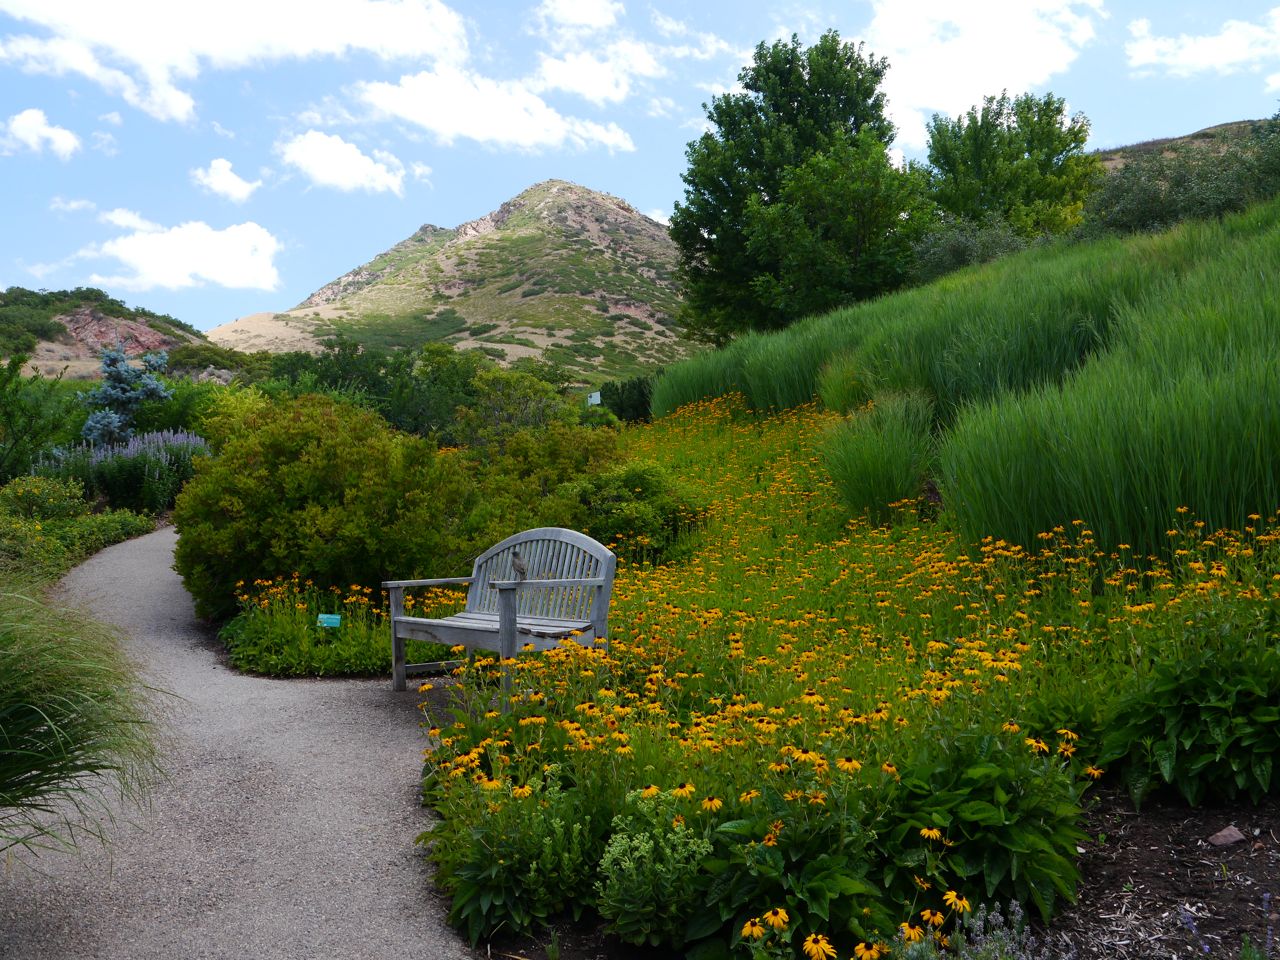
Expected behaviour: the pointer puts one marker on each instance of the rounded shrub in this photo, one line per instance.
(322, 489)
(43, 498)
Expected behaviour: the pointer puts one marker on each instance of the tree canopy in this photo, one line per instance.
(1022, 160)
(796, 104)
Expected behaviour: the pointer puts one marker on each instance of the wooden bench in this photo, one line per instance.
(533, 589)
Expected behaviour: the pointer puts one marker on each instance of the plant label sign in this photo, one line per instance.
(330, 620)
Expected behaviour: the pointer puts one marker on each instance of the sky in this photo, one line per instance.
(214, 160)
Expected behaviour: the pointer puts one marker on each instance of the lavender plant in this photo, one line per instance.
(144, 472)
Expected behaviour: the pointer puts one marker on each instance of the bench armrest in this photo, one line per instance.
(515, 584)
(439, 581)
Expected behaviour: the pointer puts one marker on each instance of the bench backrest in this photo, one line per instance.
(548, 553)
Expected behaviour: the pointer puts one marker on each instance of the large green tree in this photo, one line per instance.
(1022, 160)
(795, 103)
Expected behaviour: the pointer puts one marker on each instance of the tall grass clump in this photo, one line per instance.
(881, 454)
(76, 725)
(1183, 412)
(143, 473)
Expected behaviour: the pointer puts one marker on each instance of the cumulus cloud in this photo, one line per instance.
(580, 14)
(454, 103)
(219, 178)
(329, 161)
(1238, 44)
(32, 130)
(148, 56)
(946, 55)
(421, 172)
(128, 220)
(603, 77)
(662, 216)
(190, 255)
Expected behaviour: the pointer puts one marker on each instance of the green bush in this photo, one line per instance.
(636, 509)
(652, 880)
(1205, 717)
(45, 548)
(35, 412)
(325, 490)
(143, 473)
(882, 454)
(1007, 818)
(630, 400)
(43, 498)
(75, 725)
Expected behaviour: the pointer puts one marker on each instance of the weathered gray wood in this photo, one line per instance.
(531, 591)
(397, 640)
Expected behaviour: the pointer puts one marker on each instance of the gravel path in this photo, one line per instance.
(284, 829)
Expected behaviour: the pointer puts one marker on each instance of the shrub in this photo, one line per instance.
(882, 454)
(324, 490)
(143, 473)
(630, 400)
(1205, 717)
(33, 411)
(652, 879)
(636, 509)
(43, 498)
(75, 725)
(958, 242)
(507, 402)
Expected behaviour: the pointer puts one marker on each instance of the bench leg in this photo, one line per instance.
(398, 674)
(506, 639)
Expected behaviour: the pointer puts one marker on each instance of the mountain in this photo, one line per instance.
(559, 272)
(67, 330)
(1214, 136)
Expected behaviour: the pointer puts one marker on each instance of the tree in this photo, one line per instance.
(840, 230)
(796, 103)
(1022, 160)
(32, 412)
(123, 390)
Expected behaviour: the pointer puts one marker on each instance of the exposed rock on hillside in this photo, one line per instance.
(560, 271)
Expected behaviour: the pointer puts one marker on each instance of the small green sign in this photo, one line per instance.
(329, 620)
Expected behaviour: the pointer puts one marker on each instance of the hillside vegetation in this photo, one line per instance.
(1113, 381)
(560, 273)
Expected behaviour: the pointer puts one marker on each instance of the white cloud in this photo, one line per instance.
(580, 14)
(661, 106)
(104, 143)
(59, 205)
(946, 55)
(222, 131)
(219, 178)
(147, 55)
(330, 161)
(32, 129)
(600, 78)
(452, 103)
(662, 216)
(189, 255)
(112, 118)
(668, 26)
(1237, 44)
(421, 172)
(128, 220)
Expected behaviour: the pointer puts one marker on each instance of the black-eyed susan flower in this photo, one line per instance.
(934, 918)
(848, 765)
(651, 791)
(748, 795)
(753, 929)
(712, 804)
(684, 791)
(956, 902)
(817, 947)
(911, 933)
(777, 918)
(931, 833)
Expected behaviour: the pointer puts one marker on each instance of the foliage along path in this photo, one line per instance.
(284, 826)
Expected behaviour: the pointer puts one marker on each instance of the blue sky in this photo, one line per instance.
(213, 160)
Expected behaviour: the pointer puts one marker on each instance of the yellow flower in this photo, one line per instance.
(817, 947)
(523, 791)
(684, 791)
(1011, 727)
(753, 929)
(889, 768)
(777, 918)
(933, 917)
(712, 804)
(652, 790)
(956, 902)
(911, 933)
(1037, 746)
(931, 833)
(1094, 772)
(848, 765)
(748, 795)
(1068, 735)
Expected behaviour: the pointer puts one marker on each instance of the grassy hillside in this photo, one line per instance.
(559, 272)
(1113, 382)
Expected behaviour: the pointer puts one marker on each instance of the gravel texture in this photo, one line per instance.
(283, 829)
